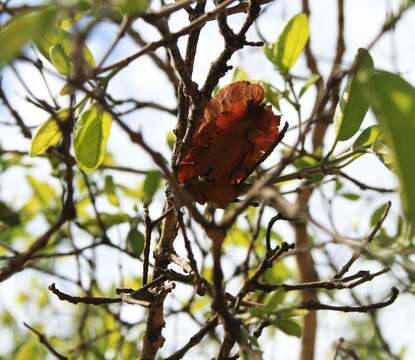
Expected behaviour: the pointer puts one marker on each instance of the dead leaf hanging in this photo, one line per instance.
(236, 133)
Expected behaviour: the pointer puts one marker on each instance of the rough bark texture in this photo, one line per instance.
(153, 338)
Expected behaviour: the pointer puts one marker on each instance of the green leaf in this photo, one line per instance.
(272, 95)
(135, 240)
(110, 191)
(351, 196)
(367, 137)
(131, 7)
(377, 214)
(286, 50)
(21, 29)
(151, 184)
(60, 59)
(48, 134)
(57, 36)
(309, 83)
(275, 299)
(339, 184)
(353, 105)
(90, 137)
(290, 327)
(304, 162)
(393, 102)
(384, 154)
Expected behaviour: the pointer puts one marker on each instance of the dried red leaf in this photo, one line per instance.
(236, 133)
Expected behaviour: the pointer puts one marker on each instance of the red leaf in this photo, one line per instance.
(236, 133)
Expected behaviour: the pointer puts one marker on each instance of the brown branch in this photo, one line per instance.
(153, 338)
(271, 223)
(200, 21)
(44, 341)
(137, 105)
(195, 339)
(83, 299)
(167, 10)
(305, 263)
(67, 213)
(379, 335)
(200, 283)
(162, 65)
(344, 283)
(374, 318)
(363, 186)
(124, 169)
(340, 46)
(18, 263)
(356, 254)
(316, 305)
(232, 325)
(191, 46)
(310, 58)
(233, 42)
(19, 120)
(254, 237)
(147, 242)
(190, 87)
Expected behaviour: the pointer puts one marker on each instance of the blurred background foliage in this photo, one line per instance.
(102, 248)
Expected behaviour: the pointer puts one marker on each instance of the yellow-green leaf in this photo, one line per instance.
(57, 36)
(290, 44)
(90, 137)
(131, 7)
(110, 191)
(367, 137)
(60, 60)
(48, 134)
(21, 29)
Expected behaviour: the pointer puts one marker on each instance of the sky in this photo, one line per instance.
(363, 21)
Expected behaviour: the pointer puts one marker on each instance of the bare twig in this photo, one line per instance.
(83, 299)
(315, 305)
(44, 341)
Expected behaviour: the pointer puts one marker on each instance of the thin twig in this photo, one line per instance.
(44, 341)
